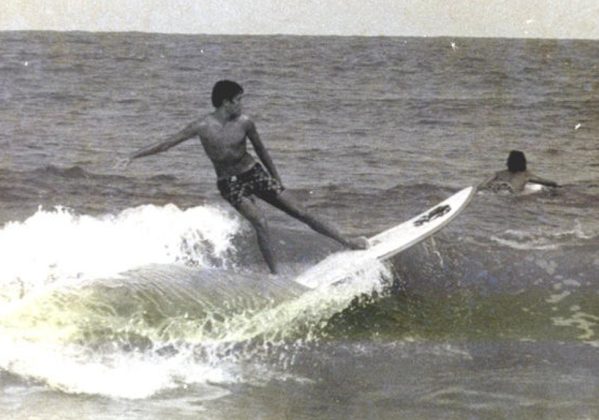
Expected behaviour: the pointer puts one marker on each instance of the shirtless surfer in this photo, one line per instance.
(515, 177)
(224, 134)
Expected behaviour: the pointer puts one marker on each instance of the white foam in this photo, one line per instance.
(47, 348)
(540, 237)
(310, 309)
(586, 323)
(58, 244)
(130, 375)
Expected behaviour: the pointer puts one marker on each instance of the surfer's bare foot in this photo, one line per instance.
(361, 242)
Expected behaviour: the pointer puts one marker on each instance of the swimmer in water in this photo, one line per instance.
(515, 177)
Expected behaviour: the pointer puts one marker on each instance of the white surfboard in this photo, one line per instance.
(531, 188)
(388, 243)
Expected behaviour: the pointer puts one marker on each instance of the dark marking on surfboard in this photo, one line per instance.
(433, 214)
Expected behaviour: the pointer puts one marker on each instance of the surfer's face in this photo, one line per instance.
(234, 106)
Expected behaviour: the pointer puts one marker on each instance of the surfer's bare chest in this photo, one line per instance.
(218, 139)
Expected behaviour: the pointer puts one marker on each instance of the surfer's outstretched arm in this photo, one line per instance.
(538, 180)
(188, 132)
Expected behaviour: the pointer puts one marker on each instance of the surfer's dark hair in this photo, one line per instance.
(225, 90)
(516, 161)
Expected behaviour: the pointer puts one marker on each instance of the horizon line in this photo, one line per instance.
(294, 35)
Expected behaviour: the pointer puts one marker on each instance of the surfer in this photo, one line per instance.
(224, 134)
(515, 177)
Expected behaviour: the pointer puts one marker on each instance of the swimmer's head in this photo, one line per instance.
(516, 161)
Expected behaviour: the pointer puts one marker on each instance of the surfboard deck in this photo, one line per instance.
(531, 188)
(387, 243)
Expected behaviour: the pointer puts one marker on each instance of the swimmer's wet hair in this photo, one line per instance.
(516, 161)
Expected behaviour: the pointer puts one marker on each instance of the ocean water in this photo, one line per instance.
(140, 294)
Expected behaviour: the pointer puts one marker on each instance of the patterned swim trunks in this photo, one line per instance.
(256, 181)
